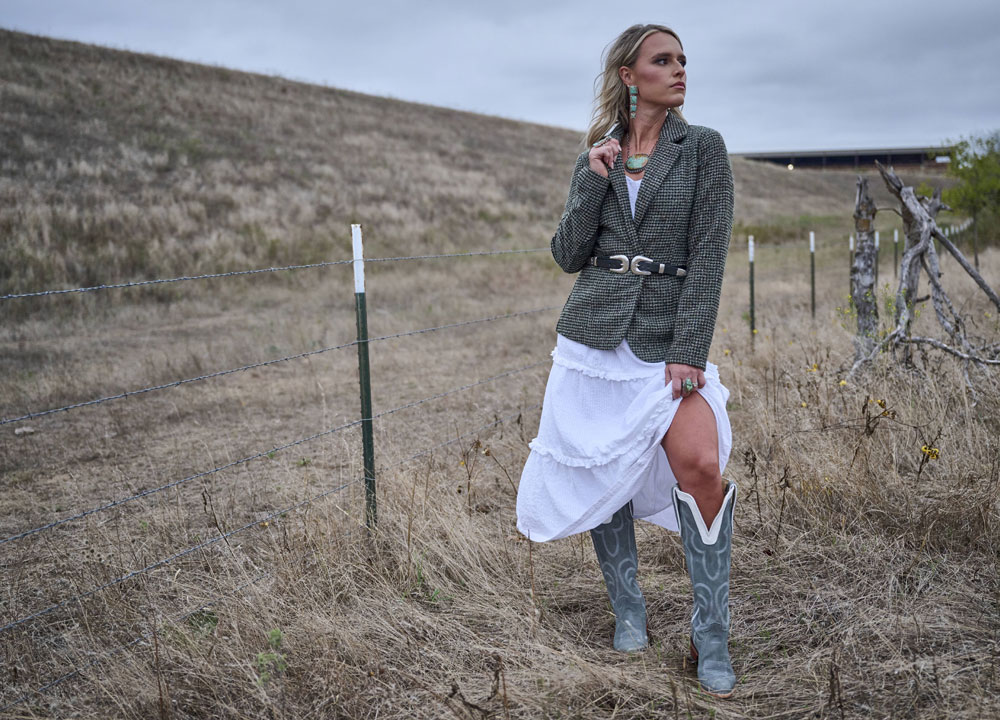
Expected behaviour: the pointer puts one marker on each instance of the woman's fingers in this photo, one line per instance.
(674, 381)
(611, 150)
(677, 374)
(606, 153)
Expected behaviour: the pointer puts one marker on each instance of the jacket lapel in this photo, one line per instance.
(662, 158)
(620, 188)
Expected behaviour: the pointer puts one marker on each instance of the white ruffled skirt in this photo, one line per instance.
(598, 446)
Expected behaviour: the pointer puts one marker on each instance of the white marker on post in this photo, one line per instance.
(359, 262)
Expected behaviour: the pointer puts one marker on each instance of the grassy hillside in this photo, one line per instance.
(117, 166)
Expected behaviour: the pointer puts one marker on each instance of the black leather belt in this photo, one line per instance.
(639, 265)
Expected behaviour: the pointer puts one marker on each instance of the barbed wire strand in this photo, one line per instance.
(460, 389)
(216, 539)
(220, 373)
(234, 273)
(255, 456)
(460, 324)
(161, 281)
(453, 255)
(216, 600)
(175, 483)
(430, 450)
(165, 561)
(175, 383)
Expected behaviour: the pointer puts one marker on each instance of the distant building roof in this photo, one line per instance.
(925, 157)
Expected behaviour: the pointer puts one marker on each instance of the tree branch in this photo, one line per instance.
(890, 209)
(957, 254)
(941, 346)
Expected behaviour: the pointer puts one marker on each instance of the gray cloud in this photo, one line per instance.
(773, 74)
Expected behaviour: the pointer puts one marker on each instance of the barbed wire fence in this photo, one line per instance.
(28, 622)
(751, 246)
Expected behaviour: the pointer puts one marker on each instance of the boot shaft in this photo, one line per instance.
(614, 543)
(707, 551)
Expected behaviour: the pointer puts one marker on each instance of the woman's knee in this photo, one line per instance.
(697, 465)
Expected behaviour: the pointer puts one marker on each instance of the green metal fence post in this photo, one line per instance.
(364, 377)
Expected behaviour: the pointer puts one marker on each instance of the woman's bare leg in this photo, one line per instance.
(692, 447)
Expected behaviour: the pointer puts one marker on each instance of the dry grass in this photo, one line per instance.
(128, 166)
(865, 576)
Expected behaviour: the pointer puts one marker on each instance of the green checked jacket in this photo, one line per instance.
(683, 216)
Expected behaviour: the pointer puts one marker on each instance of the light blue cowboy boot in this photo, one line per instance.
(707, 551)
(614, 542)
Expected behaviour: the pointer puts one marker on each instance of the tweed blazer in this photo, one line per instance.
(683, 216)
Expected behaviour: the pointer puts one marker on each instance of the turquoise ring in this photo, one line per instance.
(687, 385)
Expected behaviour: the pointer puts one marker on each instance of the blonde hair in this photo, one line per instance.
(611, 101)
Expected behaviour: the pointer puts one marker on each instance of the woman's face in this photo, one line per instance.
(658, 71)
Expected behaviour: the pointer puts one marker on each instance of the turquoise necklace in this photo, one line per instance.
(634, 163)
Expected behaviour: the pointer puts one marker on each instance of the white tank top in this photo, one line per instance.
(633, 192)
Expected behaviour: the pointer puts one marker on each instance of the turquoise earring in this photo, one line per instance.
(633, 99)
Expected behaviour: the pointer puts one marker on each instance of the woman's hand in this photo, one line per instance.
(603, 156)
(675, 375)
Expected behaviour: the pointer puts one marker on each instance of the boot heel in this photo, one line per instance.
(692, 661)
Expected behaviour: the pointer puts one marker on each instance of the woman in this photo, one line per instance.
(634, 418)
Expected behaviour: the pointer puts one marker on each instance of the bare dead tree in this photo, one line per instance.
(915, 241)
(863, 273)
(920, 230)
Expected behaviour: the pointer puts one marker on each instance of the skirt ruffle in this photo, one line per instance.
(598, 444)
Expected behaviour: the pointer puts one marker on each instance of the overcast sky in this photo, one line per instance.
(769, 75)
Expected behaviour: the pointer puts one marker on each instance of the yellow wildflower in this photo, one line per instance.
(843, 382)
(931, 452)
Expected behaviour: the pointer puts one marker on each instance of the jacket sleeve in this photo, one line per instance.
(708, 244)
(573, 242)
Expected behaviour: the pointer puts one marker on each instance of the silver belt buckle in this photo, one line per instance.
(624, 260)
(634, 267)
